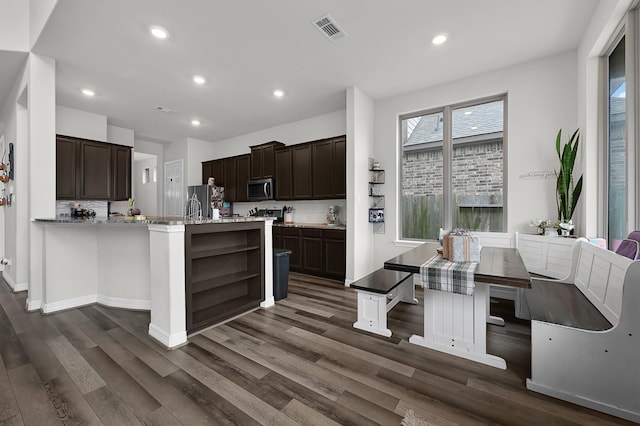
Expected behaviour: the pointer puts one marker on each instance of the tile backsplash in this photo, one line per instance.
(311, 211)
(63, 207)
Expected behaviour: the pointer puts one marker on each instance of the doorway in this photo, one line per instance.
(173, 188)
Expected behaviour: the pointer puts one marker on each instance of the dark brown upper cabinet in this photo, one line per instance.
(302, 171)
(284, 176)
(207, 171)
(263, 159)
(329, 168)
(121, 172)
(92, 170)
(67, 151)
(243, 172)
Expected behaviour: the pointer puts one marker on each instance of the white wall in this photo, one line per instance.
(145, 194)
(120, 136)
(81, 124)
(14, 25)
(360, 137)
(157, 149)
(541, 100)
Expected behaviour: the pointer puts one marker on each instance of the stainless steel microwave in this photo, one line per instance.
(261, 189)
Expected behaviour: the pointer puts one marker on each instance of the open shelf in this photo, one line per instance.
(224, 271)
(208, 283)
(212, 252)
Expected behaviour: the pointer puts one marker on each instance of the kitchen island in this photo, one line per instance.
(188, 274)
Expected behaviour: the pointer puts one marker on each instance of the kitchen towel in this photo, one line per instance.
(438, 273)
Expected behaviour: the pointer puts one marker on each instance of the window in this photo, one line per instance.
(452, 169)
(616, 148)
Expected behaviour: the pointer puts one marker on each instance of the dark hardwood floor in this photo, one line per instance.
(300, 362)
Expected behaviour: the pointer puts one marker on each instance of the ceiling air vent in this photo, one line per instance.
(164, 109)
(329, 27)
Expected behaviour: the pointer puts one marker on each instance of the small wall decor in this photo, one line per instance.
(376, 215)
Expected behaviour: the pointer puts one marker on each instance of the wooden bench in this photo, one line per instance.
(378, 293)
(585, 333)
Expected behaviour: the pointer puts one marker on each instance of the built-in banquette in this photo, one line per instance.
(585, 333)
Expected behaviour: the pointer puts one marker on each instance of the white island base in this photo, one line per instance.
(124, 265)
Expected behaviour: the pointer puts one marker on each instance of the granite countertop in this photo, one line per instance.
(310, 225)
(148, 220)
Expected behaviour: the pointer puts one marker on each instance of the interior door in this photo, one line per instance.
(173, 188)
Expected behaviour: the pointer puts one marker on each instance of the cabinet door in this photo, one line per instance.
(207, 171)
(243, 171)
(283, 176)
(322, 169)
(230, 185)
(302, 172)
(256, 162)
(268, 161)
(312, 251)
(335, 253)
(121, 172)
(339, 175)
(276, 236)
(66, 173)
(96, 178)
(217, 171)
(291, 240)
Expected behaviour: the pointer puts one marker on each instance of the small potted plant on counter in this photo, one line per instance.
(132, 210)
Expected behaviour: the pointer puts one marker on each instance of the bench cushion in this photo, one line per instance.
(381, 281)
(564, 304)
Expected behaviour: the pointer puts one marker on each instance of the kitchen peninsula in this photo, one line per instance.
(188, 274)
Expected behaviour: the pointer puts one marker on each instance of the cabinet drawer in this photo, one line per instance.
(334, 234)
(290, 232)
(311, 233)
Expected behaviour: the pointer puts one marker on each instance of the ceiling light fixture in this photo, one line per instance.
(467, 113)
(198, 79)
(278, 93)
(195, 122)
(159, 32)
(440, 39)
(88, 92)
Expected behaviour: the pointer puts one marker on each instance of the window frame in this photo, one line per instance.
(447, 145)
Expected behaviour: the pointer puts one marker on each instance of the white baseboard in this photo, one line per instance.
(268, 302)
(75, 302)
(15, 287)
(33, 305)
(171, 341)
(348, 282)
(117, 302)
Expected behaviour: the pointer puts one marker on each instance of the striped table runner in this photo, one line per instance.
(438, 273)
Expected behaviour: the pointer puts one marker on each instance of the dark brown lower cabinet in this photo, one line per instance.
(224, 271)
(319, 252)
(291, 240)
(312, 251)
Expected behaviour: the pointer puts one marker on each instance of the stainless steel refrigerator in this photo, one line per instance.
(210, 197)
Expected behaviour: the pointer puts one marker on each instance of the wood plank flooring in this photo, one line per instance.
(300, 362)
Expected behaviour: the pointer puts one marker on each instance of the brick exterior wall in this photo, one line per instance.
(477, 170)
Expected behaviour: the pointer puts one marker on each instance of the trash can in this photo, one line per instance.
(280, 273)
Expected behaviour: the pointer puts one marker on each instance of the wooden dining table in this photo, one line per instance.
(456, 323)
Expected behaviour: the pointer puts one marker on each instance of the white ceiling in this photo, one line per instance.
(248, 48)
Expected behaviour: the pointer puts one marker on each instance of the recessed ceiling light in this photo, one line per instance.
(88, 92)
(439, 39)
(198, 79)
(467, 113)
(195, 122)
(474, 127)
(278, 93)
(159, 32)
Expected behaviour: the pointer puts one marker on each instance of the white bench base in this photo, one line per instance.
(373, 307)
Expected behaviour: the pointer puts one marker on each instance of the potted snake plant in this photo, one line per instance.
(567, 191)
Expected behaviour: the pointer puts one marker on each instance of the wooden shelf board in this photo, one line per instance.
(214, 314)
(211, 282)
(199, 253)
